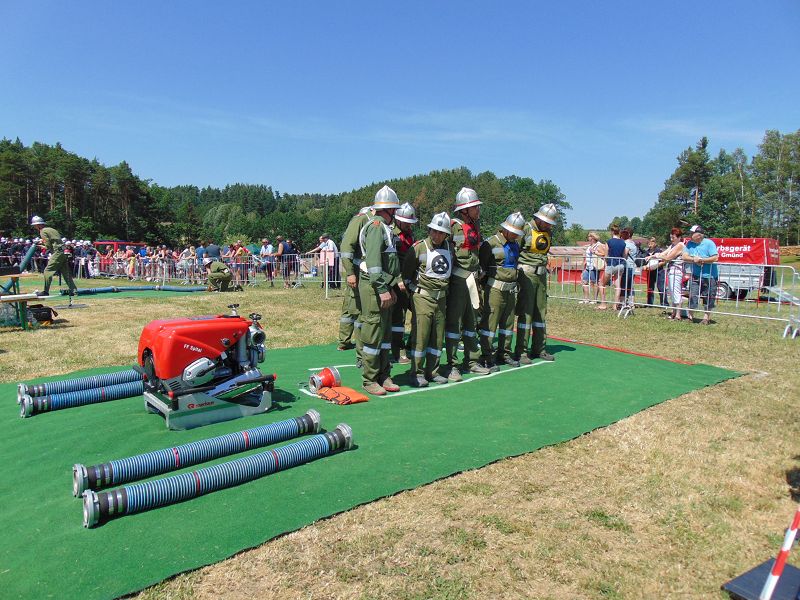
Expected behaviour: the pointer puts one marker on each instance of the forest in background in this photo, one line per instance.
(85, 199)
(735, 196)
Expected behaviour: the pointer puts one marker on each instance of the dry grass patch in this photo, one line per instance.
(670, 502)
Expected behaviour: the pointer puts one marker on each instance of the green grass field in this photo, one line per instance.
(672, 501)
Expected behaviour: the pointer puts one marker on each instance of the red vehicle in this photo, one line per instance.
(102, 245)
(745, 265)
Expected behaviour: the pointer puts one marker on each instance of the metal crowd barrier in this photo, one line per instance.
(767, 292)
(288, 271)
(36, 264)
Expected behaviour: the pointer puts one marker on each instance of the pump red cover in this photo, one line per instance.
(175, 343)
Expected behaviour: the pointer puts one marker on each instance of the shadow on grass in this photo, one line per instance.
(280, 397)
(556, 348)
(793, 479)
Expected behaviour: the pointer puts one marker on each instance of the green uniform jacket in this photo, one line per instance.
(219, 267)
(491, 256)
(534, 246)
(416, 263)
(51, 239)
(380, 255)
(464, 258)
(349, 249)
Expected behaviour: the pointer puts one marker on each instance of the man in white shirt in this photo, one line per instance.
(267, 261)
(329, 258)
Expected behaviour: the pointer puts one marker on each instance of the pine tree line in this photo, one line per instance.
(731, 195)
(87, 200)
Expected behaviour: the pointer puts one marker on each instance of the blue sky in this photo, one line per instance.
(330, 96)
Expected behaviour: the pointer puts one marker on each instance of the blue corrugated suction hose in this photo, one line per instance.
(157, 462)
(98, 507)
(32, 406)
(74, 385)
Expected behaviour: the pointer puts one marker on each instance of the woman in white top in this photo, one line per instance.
(674, 256)
(593, 263)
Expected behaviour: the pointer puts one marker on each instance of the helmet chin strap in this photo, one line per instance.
(464, 212)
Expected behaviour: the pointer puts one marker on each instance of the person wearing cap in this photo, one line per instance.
(404, 218)
(531, 306)
(219, 275)
(463, 297)
(499, 258)
(380, 273)
(350, 254)
(701, 254)
(58, 261)
(426, 272)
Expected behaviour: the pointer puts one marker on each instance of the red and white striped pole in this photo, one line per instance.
(780, 561)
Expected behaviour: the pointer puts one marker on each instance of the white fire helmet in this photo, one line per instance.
(207, 261)
(364, 210)
(465, 198)
(547, 213)
(514, 223)
(406, 214)
(441, 222)
(37, 220)
(385, 198)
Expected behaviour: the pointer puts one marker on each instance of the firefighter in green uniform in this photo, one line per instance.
(426, 272)
(380, 273)
(532, 300)
(463, 288)
(350, 258)
(404, 218)
(498, 258)
(58, 261)
(219, 275)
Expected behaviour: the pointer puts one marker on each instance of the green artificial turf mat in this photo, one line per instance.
(403, 441)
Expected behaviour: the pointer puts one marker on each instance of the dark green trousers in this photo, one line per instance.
(351, 309)
(531, 314)
(220, 281)
(375, 335)
(427, 333)
(399, 311)
(496, 321)
(58, 263)
(459, 322)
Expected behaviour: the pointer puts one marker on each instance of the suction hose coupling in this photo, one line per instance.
(26, 407)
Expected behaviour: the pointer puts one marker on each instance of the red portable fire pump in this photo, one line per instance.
(202, 370)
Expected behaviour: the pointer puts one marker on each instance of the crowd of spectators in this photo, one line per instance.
(612, 262)
(667, 271)
(160, 262)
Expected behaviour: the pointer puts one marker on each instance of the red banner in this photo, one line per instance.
(752, 251)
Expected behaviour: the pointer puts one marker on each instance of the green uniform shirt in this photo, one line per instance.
(218, 267)
(465, 258)
(492, 256)
(51, 239)
(534, 246)
(415, 266)
(380, 255)
(349, 249)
